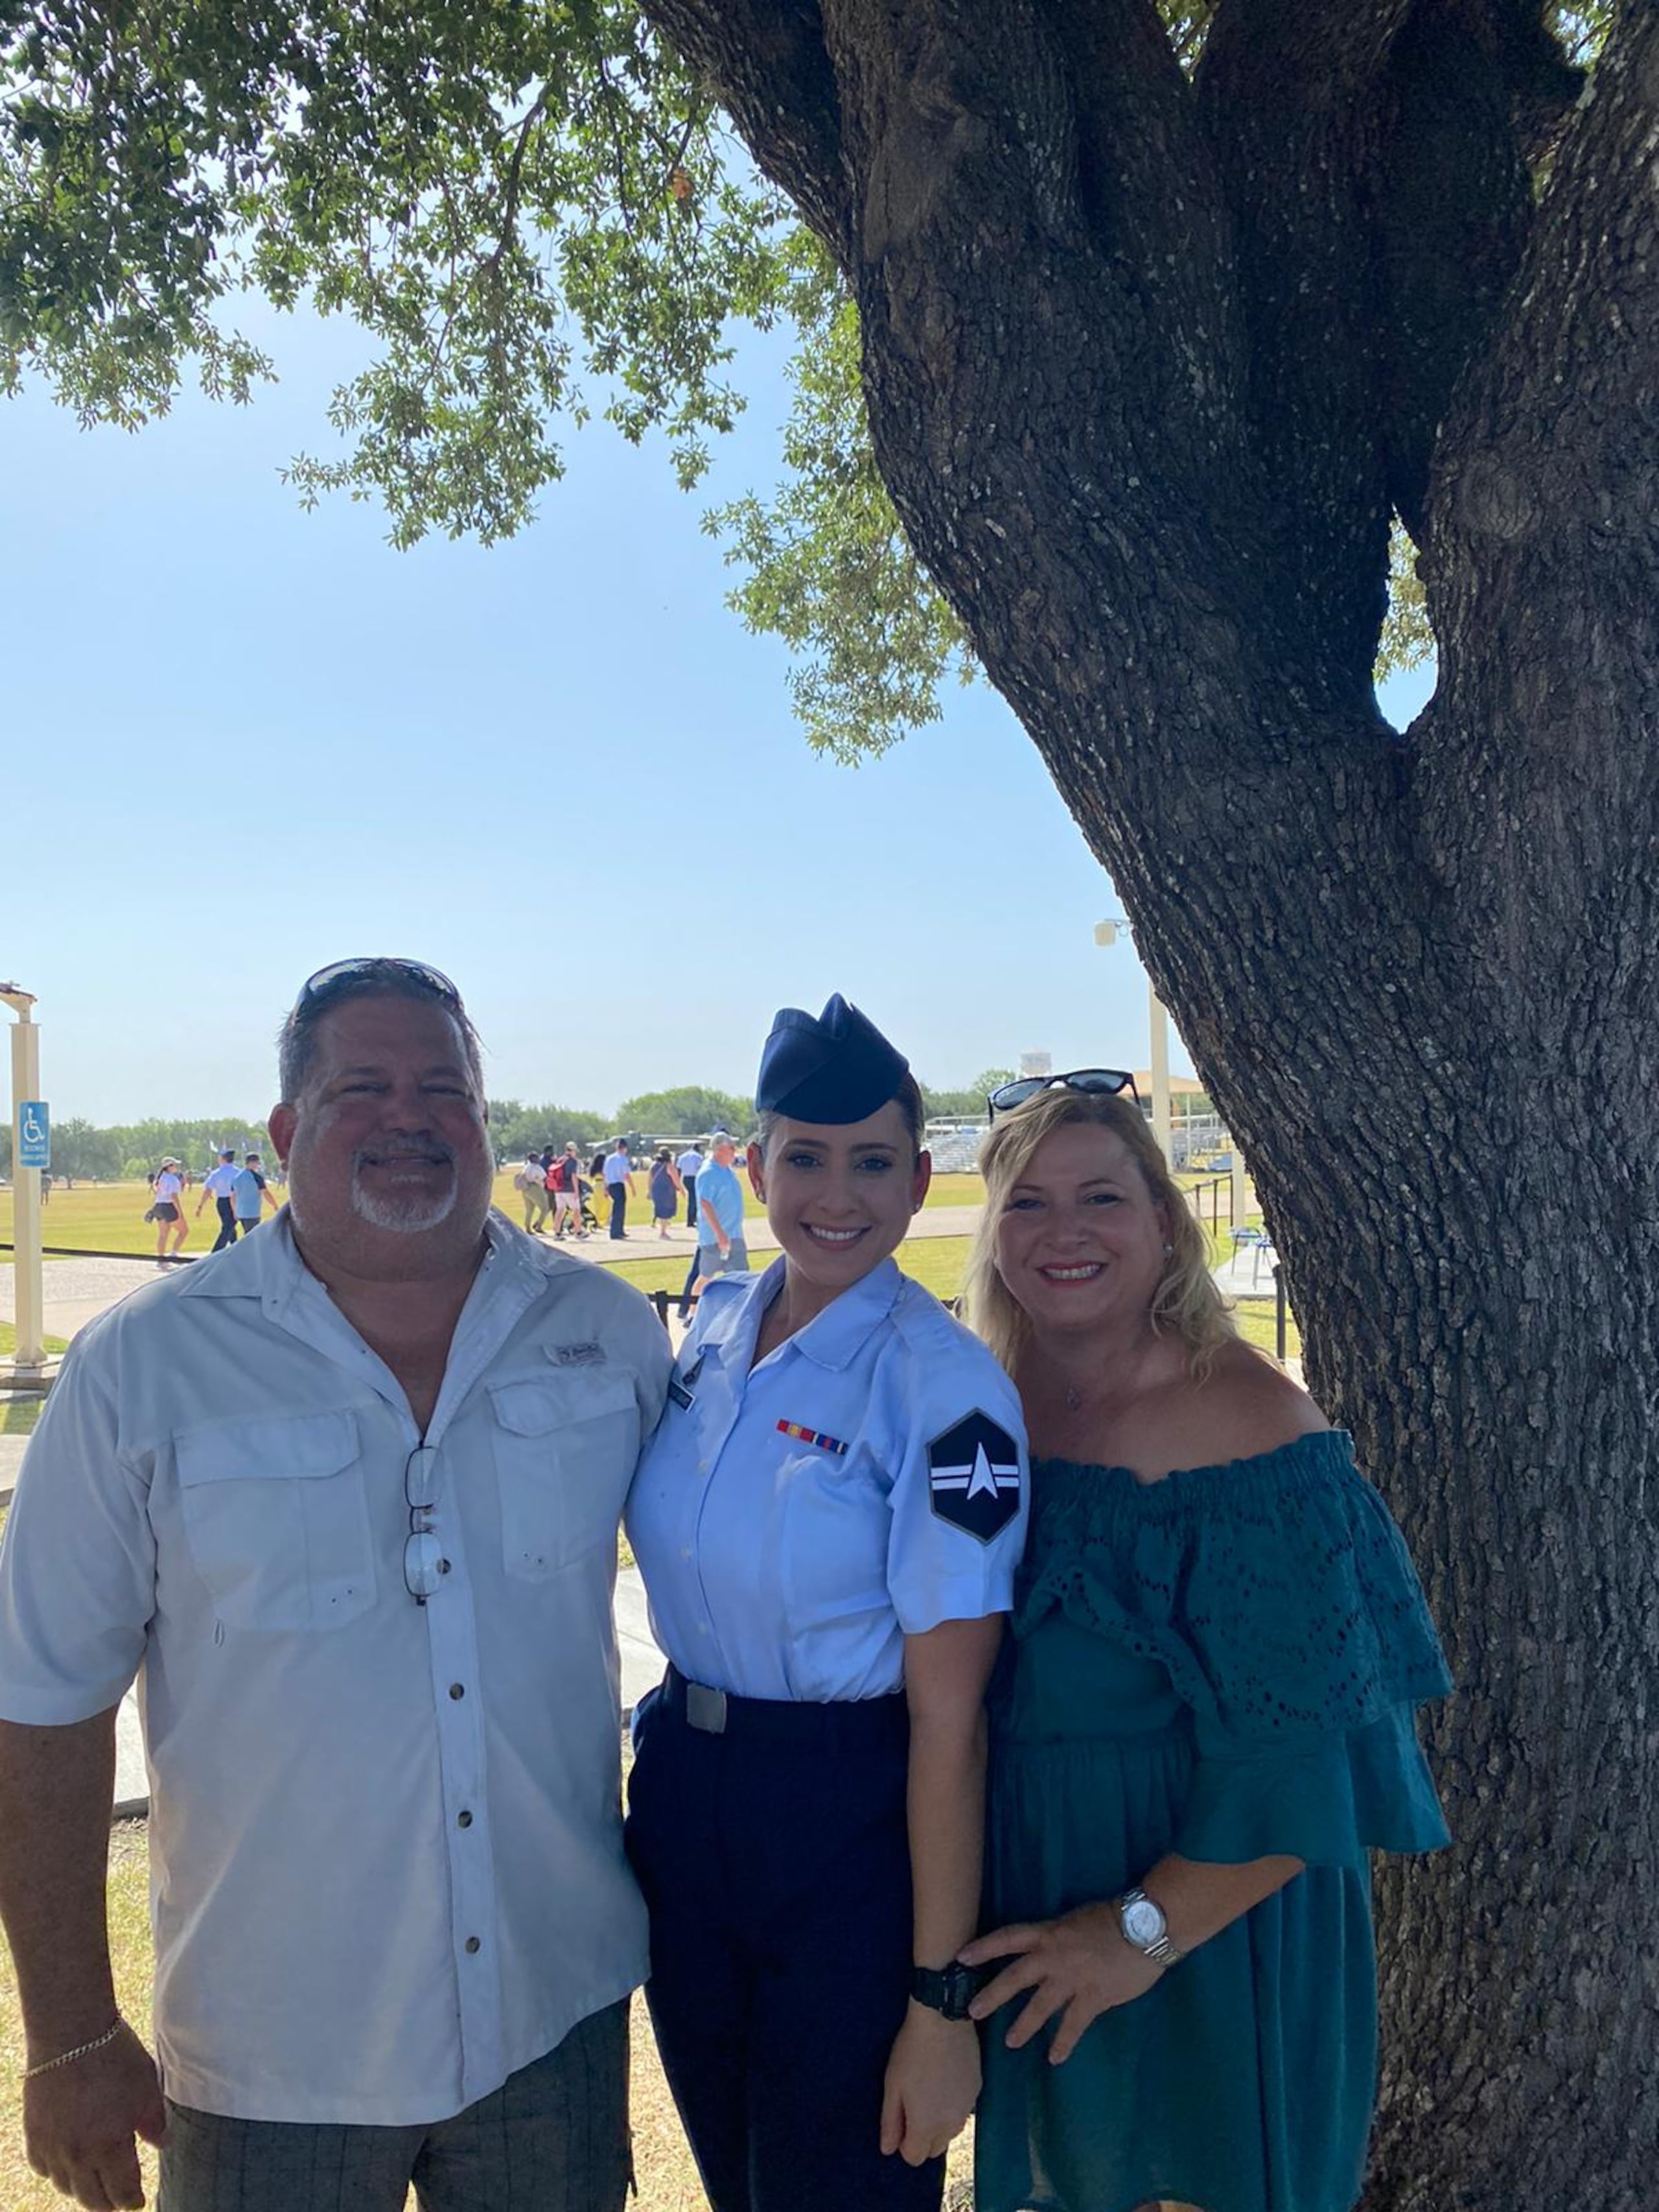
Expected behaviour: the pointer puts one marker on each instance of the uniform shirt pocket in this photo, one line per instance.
(565, 1447)
(276, 1514)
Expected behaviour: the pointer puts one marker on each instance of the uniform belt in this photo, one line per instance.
(845, 1721)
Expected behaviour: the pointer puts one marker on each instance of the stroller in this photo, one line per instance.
(584, 1192)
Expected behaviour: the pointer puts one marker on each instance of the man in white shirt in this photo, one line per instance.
(689, 1165)
(619, 1185)
(347, 1494)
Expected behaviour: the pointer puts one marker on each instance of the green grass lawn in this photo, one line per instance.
(19, 1414)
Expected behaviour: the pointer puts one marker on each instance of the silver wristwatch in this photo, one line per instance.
(1145, 1929)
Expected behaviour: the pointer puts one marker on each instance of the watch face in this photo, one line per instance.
(1143, 1921)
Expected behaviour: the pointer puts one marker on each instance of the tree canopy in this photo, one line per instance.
(537, 213)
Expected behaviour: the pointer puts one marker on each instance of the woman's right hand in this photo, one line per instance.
(1078, 1967)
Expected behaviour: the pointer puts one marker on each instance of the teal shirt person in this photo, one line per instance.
(1222, 1664)
(719, 1198)
(248, 1194)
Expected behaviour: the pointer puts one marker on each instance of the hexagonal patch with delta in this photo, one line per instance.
(973, 1476)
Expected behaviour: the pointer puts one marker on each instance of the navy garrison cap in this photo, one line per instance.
(836, 1066)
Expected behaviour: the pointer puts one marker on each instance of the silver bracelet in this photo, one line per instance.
(80, 2051)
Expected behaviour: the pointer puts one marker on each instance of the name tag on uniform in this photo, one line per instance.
(679, 1386)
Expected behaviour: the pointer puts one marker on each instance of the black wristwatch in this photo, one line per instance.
(946, 1990)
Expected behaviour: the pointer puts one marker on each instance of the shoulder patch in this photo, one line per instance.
(973, 1476)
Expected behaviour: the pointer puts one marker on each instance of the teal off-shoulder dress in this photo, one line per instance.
(1224, 1664)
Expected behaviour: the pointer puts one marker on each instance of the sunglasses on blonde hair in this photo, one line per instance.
(1087, 1082)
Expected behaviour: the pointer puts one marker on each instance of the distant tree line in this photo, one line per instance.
(81, 1152)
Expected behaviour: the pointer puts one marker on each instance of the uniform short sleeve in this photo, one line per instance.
(961, 1488)
(77, 1561)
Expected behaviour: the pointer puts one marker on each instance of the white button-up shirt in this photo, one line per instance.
(385, 1838)
(796, 1519)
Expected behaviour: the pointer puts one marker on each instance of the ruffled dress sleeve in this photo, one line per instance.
(1278, 1595)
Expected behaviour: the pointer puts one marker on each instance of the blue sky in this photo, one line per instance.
(246, 741)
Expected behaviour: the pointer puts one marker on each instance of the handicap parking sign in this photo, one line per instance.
(34, 1134)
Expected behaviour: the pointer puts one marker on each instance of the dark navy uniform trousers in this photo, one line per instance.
(774, 1858)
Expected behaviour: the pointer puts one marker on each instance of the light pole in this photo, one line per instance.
(1158, 1020)
(30, 1356)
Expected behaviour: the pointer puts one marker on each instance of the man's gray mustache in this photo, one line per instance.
(429, 1148)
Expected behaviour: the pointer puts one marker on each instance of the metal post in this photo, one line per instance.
(1160, 1028)
(26, 1196)
(1278, 1312)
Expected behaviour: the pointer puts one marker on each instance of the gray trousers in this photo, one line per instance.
(553, 2138)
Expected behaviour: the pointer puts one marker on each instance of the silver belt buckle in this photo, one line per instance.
(705, 1709)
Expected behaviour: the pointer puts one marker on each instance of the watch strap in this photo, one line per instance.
(1161, 1950)
(948, 1991)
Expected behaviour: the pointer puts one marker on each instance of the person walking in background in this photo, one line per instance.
(219, 1184)
(252, 1194)
(168, 1208)
(1218, 1644)
(348, 1496)
(664, 1190)
(530, 1183)
(689, 1165)
(564, 1181)
(617, 1170)
(720, 1247)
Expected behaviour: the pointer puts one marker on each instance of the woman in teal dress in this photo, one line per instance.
(1207, 1722)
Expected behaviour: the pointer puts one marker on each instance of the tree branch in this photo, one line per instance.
(1042, 283)
(766, 60)
(1291, 96)
(1472, 84)
(1544, 496)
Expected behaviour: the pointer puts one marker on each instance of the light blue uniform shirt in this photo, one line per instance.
(778, 1566)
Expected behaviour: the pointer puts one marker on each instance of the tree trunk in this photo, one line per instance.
(1139, 392)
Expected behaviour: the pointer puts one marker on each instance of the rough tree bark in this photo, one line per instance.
(1148, 363)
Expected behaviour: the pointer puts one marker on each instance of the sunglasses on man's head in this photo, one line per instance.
(1088, 1082)
(378, 970)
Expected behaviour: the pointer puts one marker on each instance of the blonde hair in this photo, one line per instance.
(1186, 1302)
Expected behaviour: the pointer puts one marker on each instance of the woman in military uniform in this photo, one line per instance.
(828, 1520)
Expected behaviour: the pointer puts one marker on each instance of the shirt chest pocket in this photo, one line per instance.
(565, 1447)
(277, 1517)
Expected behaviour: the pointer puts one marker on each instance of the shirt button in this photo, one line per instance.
(703, 1466)
(464, 1819)
(458, 1689)
(685, 1551)
(473, 1944)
